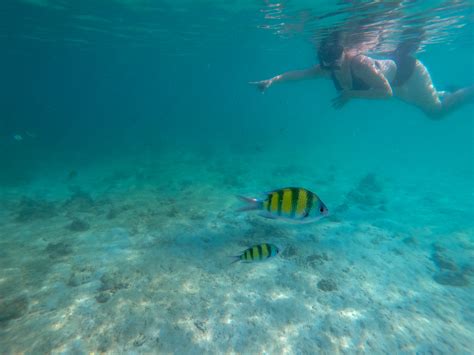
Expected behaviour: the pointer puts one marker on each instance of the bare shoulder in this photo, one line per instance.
(361, 61)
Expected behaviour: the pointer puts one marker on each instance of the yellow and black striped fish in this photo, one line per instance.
(259, 252)
(291, 203)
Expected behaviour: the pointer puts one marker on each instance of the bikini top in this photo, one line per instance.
(357, 83)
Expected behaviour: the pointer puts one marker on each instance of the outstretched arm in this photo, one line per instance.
(311, 73)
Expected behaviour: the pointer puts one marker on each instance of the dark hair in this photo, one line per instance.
(329, 51)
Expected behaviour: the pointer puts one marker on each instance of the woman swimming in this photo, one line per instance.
(356, 75)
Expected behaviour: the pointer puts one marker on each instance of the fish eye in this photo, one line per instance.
(321, 209)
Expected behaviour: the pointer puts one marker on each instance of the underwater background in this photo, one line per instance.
(128, 127)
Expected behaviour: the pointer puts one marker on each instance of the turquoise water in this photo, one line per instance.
(128, 128)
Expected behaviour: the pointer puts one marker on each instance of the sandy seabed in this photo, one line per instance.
(134, 257)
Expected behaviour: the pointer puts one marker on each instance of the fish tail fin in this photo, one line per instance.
(281, 249)
(235, 258)
(252, 204)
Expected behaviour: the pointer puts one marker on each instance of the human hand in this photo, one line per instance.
(341, 100)
(262, 85)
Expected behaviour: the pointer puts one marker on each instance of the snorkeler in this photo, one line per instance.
(356, 75)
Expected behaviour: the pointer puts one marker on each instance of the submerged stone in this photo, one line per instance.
(456, 279)
(30, 210)
(102, 297)
(79, 201)
(370, 182)
(80, 278)
(13, 308)
(327, 285)
(78, 225)
(58, 250)
(367, 194)
(316, 258)
(112, 283)
(443, 262)
(200, 325)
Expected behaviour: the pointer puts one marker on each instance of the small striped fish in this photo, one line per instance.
(258, 252)
(291, 203)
